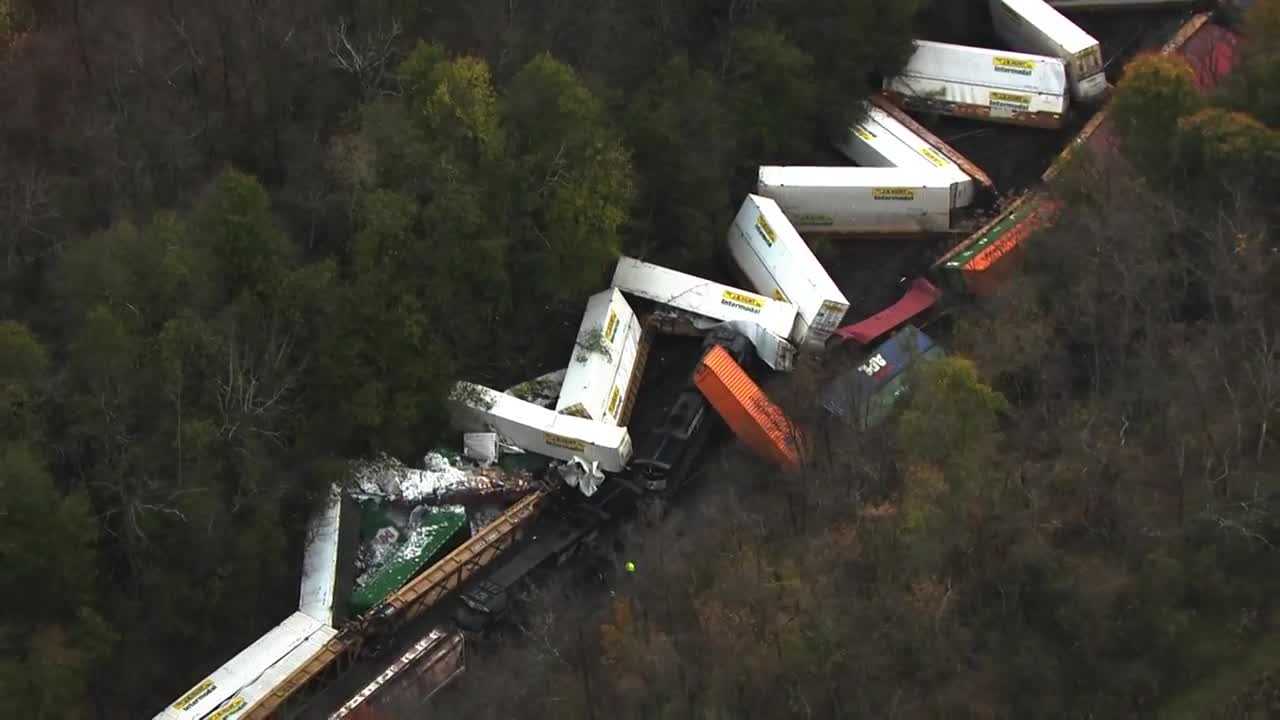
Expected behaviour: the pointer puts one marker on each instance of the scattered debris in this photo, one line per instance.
(587, 478)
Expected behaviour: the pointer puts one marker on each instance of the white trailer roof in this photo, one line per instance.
(701, 296)
(242, 669)
(270, 678)
(539, 430)
(892, 144)
(850, 177)
(1052, 23)
(320, 560)
(598, 381)
(991, 68)
(543, 390)
(765, 321)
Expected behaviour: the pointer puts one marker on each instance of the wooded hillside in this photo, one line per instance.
(245, 241)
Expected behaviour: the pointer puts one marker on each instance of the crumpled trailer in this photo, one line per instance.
(981, 84)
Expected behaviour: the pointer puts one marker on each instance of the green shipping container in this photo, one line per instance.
(420, 548)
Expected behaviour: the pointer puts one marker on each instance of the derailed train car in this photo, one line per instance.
(881, 140)
(1033, 26)
(982, 261)
(978, 83)
(862, 200)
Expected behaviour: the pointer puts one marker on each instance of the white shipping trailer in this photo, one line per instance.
(1080, 5)
(539, 430)
(859, 199)
(330, 532)
(1036, 27)
(766, 322)
(777, 263)
(997, 85)
(209, 694)
(881, 141)
(263, 685)
(598, 381)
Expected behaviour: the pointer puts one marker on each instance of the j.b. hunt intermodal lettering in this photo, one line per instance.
(750, 303)
(766, 232)
(564, 442)
(1012, 65)
(1010, 99)
(893, 193)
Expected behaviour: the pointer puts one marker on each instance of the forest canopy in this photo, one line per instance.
(245, 242)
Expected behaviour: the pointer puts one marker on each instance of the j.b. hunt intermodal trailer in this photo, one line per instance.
(535, 429)
(977, 83)
(1083, 5)
(600, 375)
(250, 675)
(981, 262)
(1033, 26)
(776, 262)
(880, 140)
(766, 322)
(861, 200)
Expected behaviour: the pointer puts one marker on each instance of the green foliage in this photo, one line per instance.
(682, 138)
(1218, 142)
(1155, 92)
(950, 420)
(47, 547)
(233, 222)
(24, 363)
(773, 93)
(1253, 85)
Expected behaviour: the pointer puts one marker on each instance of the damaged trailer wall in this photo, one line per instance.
(879, 140)
(475, 408)
(598, 380)
(977, 83)
(1033, 26)
(860, 200)
(766, 322)
(777, 263)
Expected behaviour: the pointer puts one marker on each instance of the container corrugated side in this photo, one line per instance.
(317, 593)
(538, 430)
(879, 140)
(766, 321)
(440, 527)
(776, 261)
(1039, 17)
(1035, 26)
(746, 409)
(597, 382)
(240, 670)
(883, 104)
(859, 199)
(261, 686)
(982, 84)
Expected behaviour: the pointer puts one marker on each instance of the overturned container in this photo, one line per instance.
(600, 375)
(776, 262)
(766, 322)
(861, 200)
(746, 409)
(880, 140)
(538, 430)
(1034, 26)
(977, 83)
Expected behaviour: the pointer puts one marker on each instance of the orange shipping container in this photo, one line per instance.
(746, 409)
